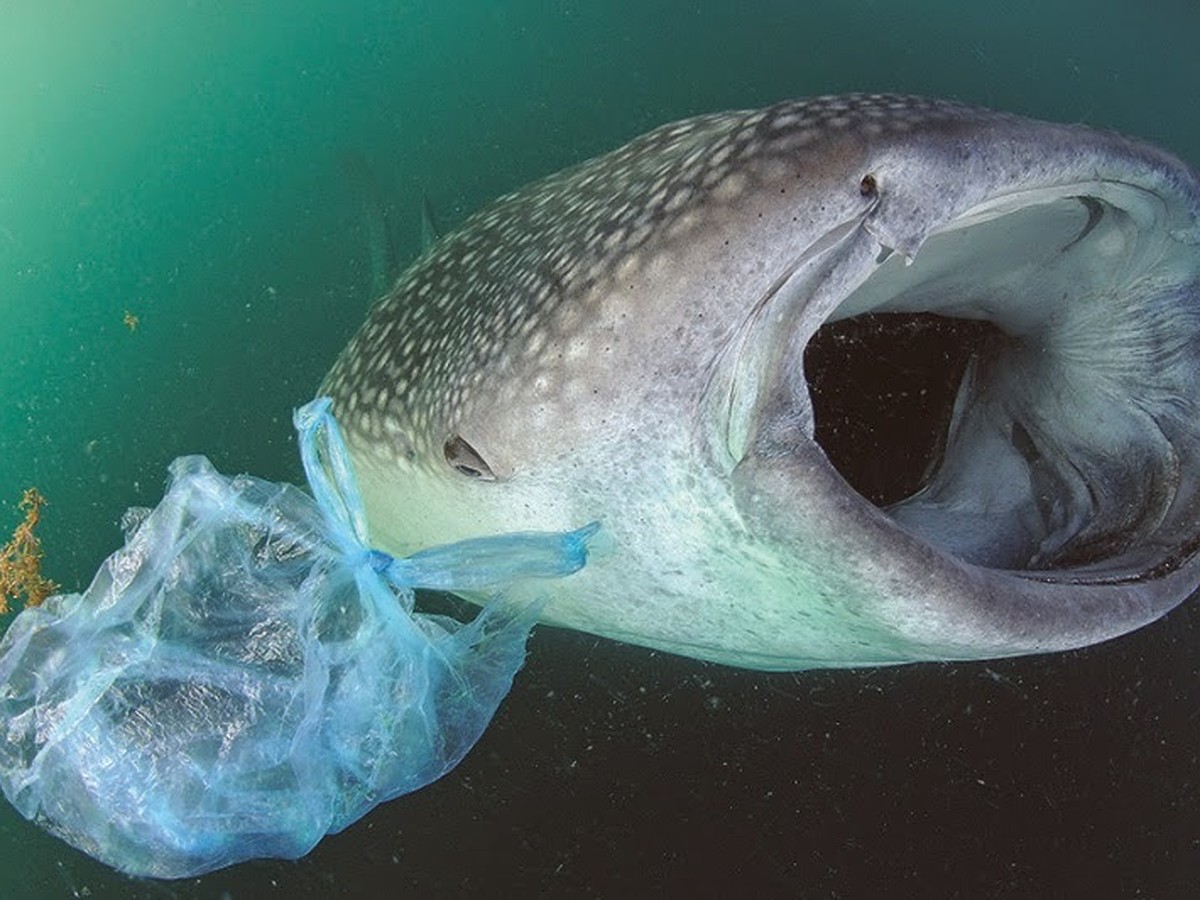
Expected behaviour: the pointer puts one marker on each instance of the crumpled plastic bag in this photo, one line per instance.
(245, 676)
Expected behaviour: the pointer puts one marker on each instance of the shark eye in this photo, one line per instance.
(868, 186)
(464, 458)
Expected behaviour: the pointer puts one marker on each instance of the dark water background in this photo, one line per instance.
(188, 162)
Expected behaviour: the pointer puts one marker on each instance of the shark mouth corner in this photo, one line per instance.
(1022, 394)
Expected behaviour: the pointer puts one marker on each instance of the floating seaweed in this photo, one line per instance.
(21, 576)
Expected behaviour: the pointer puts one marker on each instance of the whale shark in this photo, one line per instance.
(847, 381)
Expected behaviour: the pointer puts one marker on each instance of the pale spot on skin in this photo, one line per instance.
(577, 348)
(629, 266)
(719, 157)
(732, 187)
(537, 341)
(787, 120)
(682, 226)
(569, 320)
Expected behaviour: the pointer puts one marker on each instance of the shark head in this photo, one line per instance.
(847, 381)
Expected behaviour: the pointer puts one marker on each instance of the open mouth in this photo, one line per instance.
(1023, 394)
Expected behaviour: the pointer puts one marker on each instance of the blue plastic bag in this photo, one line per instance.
(245, 676)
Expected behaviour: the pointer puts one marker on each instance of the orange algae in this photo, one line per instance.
(21, 559)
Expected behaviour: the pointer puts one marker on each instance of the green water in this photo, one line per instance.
(185, 163)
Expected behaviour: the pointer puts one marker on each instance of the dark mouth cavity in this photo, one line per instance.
(883, 387)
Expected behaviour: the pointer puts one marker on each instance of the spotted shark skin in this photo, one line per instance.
(622, 341)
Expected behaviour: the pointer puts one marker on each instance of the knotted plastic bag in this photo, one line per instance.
(245, 676)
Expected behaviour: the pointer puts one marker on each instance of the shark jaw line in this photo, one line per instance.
(1051, 430)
